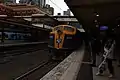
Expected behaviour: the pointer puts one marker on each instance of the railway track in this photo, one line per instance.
(22, 51)
(7, 55)
(29, 64)
(38, 72)
(19, 49)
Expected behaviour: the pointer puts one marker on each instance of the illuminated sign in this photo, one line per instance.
(103, 27)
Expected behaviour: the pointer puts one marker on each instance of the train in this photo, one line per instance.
(63, 39)
(15, 36)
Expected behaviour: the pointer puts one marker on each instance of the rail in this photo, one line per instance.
(32, 74)
(68, 69)
(31, 71)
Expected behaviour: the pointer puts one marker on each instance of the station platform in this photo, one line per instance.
(77, 66)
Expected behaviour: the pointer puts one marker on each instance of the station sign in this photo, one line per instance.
(103, 28)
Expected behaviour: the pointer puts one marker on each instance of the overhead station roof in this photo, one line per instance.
(87, 11)
(24, 14)
(20, 9)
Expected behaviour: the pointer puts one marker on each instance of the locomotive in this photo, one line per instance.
(63, 40)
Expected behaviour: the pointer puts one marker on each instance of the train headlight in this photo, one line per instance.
(51, 37)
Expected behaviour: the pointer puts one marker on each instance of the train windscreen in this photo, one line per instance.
(68, 28)
(58, 28)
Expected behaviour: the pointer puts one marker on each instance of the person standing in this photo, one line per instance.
(110, 46)
(117, 51)
(96, 46)
(110, 57)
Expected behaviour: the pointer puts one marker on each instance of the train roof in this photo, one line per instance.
(65, 25)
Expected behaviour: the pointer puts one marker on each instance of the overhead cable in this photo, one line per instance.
(55, 4)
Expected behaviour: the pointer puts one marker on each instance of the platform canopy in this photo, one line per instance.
(91, 12)
(19, 10)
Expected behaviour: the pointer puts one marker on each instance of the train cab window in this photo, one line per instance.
(68, 29)
(58, 28)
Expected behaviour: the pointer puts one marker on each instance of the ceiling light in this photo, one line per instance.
(95, 20)
(97, 15)
(97, 25)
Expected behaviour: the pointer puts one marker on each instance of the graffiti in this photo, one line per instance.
(15, 36)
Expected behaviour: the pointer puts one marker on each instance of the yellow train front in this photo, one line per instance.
(63, 39)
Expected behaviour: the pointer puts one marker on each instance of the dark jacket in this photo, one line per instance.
(117, 38)
(96, 45)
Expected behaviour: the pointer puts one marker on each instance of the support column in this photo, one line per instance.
(2, 34)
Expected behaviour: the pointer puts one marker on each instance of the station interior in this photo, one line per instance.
(29, 37)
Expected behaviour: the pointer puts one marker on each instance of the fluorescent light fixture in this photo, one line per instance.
(3, 15)
(97, 15)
